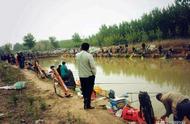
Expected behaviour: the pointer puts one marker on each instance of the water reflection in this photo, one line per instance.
(125, 75)
(166, 74)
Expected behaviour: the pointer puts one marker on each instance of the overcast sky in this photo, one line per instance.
(62, 18)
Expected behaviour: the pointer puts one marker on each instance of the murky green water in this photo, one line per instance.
(125, 75)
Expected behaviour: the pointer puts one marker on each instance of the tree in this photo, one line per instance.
(183, 2)
(76, 38)
(134, 37)
(29, 41)
(43, 45)
(158, 34)
(7, 48)
(54, 42)
(18, 47)
(1, 50)
(144, 36)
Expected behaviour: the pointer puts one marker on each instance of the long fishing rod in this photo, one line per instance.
(138, 92)
(114, 83)
(111, 83)
(119, 83)
(138, 100)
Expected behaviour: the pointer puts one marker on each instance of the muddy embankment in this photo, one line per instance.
(38, 103)
(21, 105)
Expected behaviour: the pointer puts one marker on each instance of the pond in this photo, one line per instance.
(134, 75)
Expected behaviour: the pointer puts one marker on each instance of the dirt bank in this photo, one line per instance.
(63, 110)
(18, 106)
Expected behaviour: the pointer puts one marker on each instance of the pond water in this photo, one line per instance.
(134, 75)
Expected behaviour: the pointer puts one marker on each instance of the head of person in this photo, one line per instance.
(85, 46)
(63, 63)
(52, 67)
(59, 66)
(159, 96)
(36, 61)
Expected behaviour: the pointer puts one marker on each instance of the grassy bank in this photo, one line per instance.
(18, 106)
(32, 104)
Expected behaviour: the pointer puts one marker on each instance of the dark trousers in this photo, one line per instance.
(21, 64)
(183, 109)
(87, 86)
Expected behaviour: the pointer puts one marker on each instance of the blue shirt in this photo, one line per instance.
(64, 71)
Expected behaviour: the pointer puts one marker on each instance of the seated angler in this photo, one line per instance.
(57, 78)
(67, 76)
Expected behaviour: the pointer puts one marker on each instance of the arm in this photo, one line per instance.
(92, 65)
(168, 110)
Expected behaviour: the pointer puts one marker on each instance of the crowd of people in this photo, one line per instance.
(174, 103)
(62, 74)
(19, 59)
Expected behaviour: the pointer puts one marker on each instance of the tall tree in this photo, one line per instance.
(1, 50)
(43, 45)
(76, 37)
(29, 41)
(54, 42)
(18, 47)
(183, 2)
(7, 48)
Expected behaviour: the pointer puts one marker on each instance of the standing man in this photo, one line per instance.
(175, 103)
(87, 72)
(21, 60)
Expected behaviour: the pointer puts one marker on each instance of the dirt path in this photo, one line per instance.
(59, 108)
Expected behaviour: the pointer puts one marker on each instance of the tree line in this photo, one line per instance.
(168, 23)
(30, 44)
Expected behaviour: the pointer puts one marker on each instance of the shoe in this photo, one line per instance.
(90, 107)
(68, 95)
(85, 107)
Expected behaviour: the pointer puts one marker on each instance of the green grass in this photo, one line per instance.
(43, 105)
(9, 75)
(17, 105)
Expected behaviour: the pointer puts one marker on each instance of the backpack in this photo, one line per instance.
(132, 114)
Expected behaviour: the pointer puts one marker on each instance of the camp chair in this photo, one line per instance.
(57, 80)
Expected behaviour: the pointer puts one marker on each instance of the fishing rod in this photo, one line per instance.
(111, 83)
(138, 100)
(138, 92)
(119, 83)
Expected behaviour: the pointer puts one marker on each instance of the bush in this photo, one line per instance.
(43, 105)
(9, 75)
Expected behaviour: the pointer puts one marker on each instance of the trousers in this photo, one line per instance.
(87, 86)
(183, 109)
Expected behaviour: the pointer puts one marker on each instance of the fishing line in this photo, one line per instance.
(138, 100)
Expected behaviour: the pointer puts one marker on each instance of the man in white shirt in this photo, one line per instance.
(87, 72)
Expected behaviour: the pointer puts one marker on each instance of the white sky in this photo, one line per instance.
(62, 18)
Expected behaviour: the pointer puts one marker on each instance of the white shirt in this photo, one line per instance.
(86, 64)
